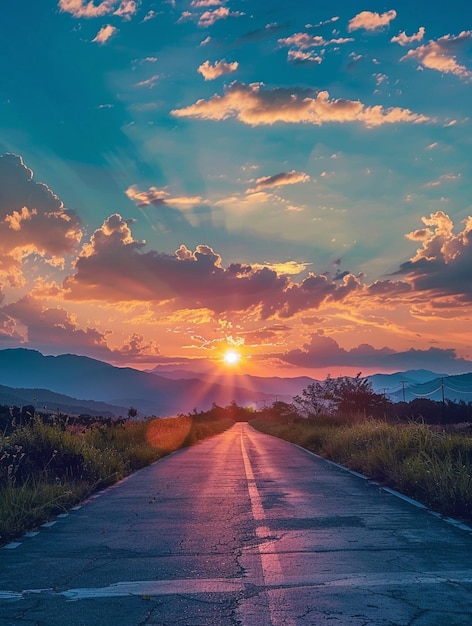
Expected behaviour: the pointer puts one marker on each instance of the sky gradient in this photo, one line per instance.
(286, 180)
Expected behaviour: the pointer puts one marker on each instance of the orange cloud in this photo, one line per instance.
(304, 40)
(403, 39)
(81, 8)
(104, 34)
(220, 68)
(254, 105)
(126, 9)
(197, 4)
(53, 328)
(439, 55)
(208, 18)
(368, 20)
(300, 42)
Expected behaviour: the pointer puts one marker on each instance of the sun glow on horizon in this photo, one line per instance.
(231, 357)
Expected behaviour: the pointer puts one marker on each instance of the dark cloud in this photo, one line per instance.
(443, 264)
(33, 220)
(323, 352)
(49, 327)
(389, 289)
(262, 33)
(279, 180)
(114, 267)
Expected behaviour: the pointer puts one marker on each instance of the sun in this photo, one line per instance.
(231, 357)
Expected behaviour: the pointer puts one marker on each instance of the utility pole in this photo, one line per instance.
(443, 401)
(403, 388)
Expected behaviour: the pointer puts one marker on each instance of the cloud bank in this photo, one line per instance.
(323, 352)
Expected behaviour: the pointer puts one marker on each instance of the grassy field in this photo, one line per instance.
(430, 466)
(47, 468)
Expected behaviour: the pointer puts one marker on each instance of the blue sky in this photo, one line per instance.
(282, 179)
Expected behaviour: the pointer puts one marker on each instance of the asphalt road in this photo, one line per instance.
(241, 529)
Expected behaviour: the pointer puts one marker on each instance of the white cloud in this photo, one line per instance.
(150, 15)
(149, 82)
(445, 178)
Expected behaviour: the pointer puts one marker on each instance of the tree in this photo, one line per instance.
(346, 395)
(132, 412)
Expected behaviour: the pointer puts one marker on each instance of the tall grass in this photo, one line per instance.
(23, 507)
(44, 469)
(432, 467)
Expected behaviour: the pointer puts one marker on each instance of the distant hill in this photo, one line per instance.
(423, 384)
(89, 379)
(50, 402)
(277, 387)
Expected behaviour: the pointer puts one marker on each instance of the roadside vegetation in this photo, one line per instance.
(426, 457)
(48, 463)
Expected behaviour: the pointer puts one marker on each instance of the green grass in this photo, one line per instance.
(23, 507)
(45, 469)
(432, 467)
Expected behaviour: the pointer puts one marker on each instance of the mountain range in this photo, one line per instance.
(79, 384)
(92, 380)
